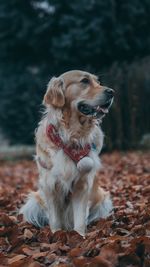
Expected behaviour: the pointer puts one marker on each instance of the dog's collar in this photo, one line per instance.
(74, 153)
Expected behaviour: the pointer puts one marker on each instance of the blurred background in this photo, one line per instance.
(42, 38)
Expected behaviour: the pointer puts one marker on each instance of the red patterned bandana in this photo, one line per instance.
(75, 154)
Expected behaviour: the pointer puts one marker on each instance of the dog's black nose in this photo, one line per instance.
(109, 92)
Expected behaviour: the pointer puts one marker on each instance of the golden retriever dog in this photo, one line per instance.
(68, 142)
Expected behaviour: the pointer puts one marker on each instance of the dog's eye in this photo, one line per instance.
(85, 81)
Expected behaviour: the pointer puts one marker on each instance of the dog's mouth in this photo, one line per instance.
(96, 111)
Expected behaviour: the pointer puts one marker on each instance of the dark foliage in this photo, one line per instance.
(128, 120)
(39, 39)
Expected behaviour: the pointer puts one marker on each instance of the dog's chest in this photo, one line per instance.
(64, 168)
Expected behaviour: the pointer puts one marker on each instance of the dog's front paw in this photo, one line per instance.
(80, 231)
(85, 165)
(55, 227)
(54, 230)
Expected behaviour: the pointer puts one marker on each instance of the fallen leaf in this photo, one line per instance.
(27, 234)
(98, 261)
(80, 262)
(15, 259)
(76, 252)
(122, 239)
(39, 255)
(5, 220)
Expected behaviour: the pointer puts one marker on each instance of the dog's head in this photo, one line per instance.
(81, 92)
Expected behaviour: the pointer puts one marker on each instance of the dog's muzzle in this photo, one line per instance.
(99, 109)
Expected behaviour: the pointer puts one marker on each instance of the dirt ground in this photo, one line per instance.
(121, 240)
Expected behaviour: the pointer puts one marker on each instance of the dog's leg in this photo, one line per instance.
(51, 196)
(33, 210)
(100, 204)
(53, 212)
(80, 204)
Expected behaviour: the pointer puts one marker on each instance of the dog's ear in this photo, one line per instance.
(54, 95)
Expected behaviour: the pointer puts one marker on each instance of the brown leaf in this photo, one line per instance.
(5, 220)
(98, 261)
(34, 264)
(74, 239)
(146, 189)
(51, 247)
(39, 255)
(44, 235)
(109, 253)
(122, 231)
(64, 248)
(46, 247)
(16, 259)
(60, 236)
(27, 234)
(29, 252)
(122, 237)
(80, 262)
(50, 258)
(63, 265)
(76, 252)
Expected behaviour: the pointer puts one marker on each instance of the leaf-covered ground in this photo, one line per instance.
(121, 240)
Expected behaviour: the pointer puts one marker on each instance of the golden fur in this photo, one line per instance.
(69, 196)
